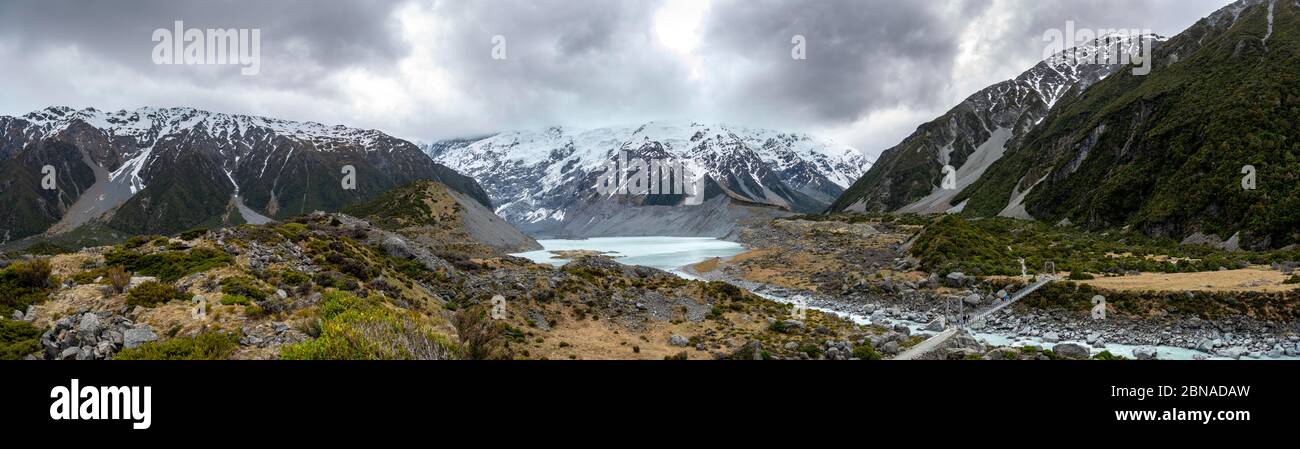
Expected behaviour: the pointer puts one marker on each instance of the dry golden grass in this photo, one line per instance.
(600, 340)
(1244, 280)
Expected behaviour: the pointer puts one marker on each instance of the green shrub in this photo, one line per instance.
(193, 234)
(1107, 355)
(18, 339)
(1081, 276)
(150, 294)
(361, 329)
(33, 273)
(205, 346)
(44, 248)
(866, 352)
(292, 231)
(1294, 279)
(168, 265)
(243, 286)
(288, 278)
(20, 287)
(232, 300)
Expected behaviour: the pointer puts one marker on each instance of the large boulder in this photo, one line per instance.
(973, 299)
(935, 326)
(1071, 350)
(397, 247)
(1145, 353)
(955, 279)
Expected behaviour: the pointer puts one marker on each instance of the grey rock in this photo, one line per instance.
(750, 351)
(955, 279)
(935, 326)
(973, 299)
(90, 324)
(1051, 337)
(72, 353)
(903, 330)
(1145, 353)
(678, 340)
(139, 335)
(397, 247)
(1071, 350)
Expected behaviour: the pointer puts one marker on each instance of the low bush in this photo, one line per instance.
(118, 279)
(243, 286)
(34, 273)
(21, 285)
(150, 294)
(866, 352)
(46, 249)
(193, 234)
(168, 265)
(205, 346)
(480, 336)
(18, 339)
(353, 328)
(232, 300)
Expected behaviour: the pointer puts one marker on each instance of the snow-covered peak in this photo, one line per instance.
(149, 123)
(590, 148)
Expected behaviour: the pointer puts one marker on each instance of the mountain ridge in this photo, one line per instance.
(164, 170)
(543, 180)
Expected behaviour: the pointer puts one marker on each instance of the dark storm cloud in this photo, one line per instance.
(318, 36)
(567, 61)
(862, 54)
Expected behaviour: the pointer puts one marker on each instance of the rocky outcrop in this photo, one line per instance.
(93, 336)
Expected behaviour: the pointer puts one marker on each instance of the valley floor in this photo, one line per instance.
(866, 269)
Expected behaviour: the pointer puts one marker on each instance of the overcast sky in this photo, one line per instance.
(423, 69)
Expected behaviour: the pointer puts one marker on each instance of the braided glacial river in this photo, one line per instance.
(674, 253)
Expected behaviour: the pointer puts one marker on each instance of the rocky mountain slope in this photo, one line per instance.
(977, 132)
(545, 182)
(164, 170)
(430, 212)
(1166, 153)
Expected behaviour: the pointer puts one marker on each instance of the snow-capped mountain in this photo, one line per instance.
(977, 132)
(545, 181)
(168, 169)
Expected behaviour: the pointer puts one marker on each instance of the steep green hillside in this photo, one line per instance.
(1164, 153)
(188, 193)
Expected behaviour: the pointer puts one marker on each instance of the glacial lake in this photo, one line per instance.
(664, 253)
